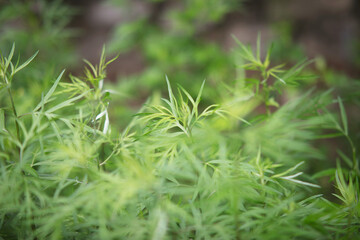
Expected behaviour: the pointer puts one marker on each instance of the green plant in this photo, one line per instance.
(178, 170)
(181, 52)
(178, 114)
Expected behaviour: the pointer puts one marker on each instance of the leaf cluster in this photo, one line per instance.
(174, 171)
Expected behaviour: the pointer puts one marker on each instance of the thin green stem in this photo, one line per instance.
(353, 149)
(15, 114)
(349, 225)
(266, 99)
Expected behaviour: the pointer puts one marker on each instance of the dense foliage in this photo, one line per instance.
(231, 170)
(259, 150)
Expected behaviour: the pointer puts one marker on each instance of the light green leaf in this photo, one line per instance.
(25, 63)
(8, 59)
(2, 119)
(343, 116)
(66, 103)
(50, 92)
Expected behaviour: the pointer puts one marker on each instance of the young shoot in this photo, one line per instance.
(179, 113)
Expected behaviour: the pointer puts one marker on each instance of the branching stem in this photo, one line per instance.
(15, 114)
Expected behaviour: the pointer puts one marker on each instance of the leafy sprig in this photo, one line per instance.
(178, 113)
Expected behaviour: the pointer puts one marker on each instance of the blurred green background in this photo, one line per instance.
(188, 40)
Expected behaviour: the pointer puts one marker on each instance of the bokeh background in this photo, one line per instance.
(302, 28)
(329, 29)
(188, 40)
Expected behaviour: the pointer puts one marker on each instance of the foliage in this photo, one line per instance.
(178, 170)
(39, 24)
(181, 50)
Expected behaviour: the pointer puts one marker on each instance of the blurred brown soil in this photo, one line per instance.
(323, 28)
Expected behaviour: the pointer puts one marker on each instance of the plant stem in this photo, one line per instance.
(349, 233)
(15, 114)
(353, 149)
(102, 156)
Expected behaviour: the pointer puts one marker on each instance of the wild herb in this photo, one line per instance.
(179, 169)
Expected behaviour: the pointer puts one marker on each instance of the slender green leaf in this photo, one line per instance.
(25, 63)
(343, 116)
(49, 93)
